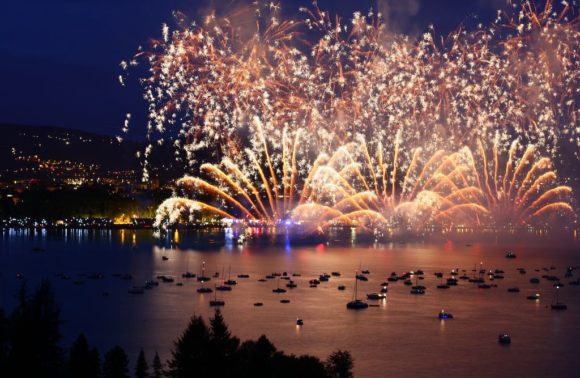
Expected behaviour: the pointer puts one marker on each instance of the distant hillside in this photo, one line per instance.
(38, 152)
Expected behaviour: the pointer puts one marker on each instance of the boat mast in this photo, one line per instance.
(355, 284)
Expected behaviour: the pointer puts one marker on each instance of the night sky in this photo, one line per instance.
(60, 58)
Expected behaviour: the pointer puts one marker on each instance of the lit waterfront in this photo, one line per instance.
(401, 335)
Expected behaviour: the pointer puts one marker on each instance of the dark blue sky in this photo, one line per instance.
(59, 59)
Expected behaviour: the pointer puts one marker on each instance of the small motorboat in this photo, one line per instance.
(361, 277)
(335, 274)
(204, 289)
(384, 289)
(188, 275)
(484, 286)
(299, 322)
(533, 297)
(285, 301)
(243, 276)
(164, 258)
(443, 286)
(376, 296)
(262, 280)
(341, 287)
(366, 271)
(356, 304)
(504, 338)
(513, 289)
(179, 284)
(258, 304)
(418, 291)
(291, 285)
(452, 281)
(535, 280)
(136, 290)
(408, 282)
(223, 288)
(445, 315)
(510, 255)
(150, 284)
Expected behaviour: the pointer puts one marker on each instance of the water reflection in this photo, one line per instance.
(402, 327)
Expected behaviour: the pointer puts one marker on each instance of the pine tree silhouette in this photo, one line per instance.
(190, 358)
(141, 368)
(223, 347)
(34, 335)
(83, 362)
(157, 367)
(116, 364)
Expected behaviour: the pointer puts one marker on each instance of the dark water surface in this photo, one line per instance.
(400, 337)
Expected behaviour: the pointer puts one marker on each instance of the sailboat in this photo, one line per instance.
(356, 304)
(223, 286)
(417, 289)
(230, 281)
(278, 289)
(187, 273)
(202, 277)
(216, 302)
(557, 305)
(442, 285)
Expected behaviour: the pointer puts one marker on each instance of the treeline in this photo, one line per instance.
(83, 202)
(30, 347)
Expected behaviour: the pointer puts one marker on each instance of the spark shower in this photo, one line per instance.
(327, 122)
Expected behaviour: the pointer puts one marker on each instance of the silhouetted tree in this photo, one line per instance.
(83, 362)
(116, 364)
(223, 347)
(339, 365)
(255, 358)
(141, 368)
(34, 335)
(298, 366)
(157, 366)
(190, 357)
(4, 341)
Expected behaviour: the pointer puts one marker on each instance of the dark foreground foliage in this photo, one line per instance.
(30, 347)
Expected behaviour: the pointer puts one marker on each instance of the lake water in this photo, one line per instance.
(403, 335)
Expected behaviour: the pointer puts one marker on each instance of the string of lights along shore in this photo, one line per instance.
(325, 121)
